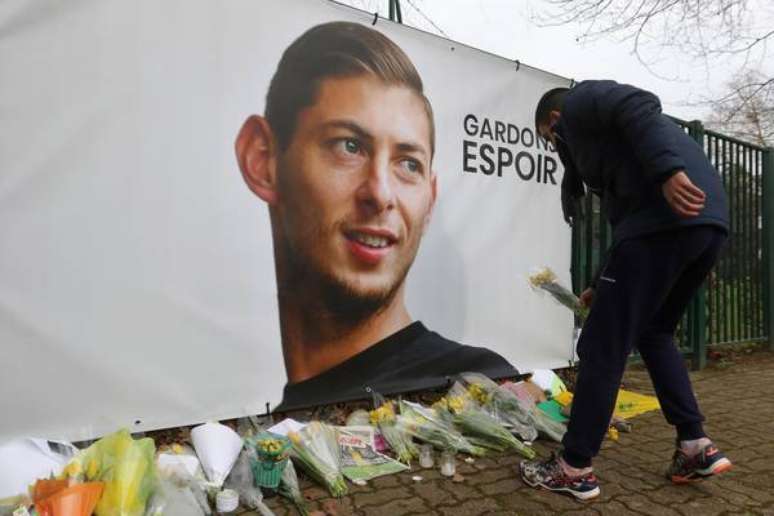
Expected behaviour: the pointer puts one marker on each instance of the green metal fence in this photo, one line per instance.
(734, 305)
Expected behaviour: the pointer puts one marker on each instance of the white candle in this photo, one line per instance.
(448, 467)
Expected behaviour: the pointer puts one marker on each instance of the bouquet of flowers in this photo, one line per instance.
(479, 427)
(383, 417)
(272, 453)
(545, 279)
(126, 466)
(315, 448)
(501, 404)
(426, 425)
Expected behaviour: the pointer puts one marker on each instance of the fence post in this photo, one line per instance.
(697, 310)
(767, 228)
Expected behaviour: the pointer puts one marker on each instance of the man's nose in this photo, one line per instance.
(377, 191)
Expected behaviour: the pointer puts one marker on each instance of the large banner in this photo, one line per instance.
(189, 221)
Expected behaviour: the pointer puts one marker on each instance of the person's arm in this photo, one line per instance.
(635, 114)
(572, 190)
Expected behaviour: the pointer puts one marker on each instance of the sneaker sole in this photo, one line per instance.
(589, 495)
(717, 468)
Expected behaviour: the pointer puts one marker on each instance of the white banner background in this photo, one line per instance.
(136, 273)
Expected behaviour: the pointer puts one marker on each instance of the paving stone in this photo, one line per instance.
(704, 506)
(460, 492)
(610, 507)
(523, 505)
(380, 496)
(398, 507)
(635, 501)
(670, 494)
(586, 511)
(470, 508)
(432, 493)
(557, 502)
(504, 486)
(490, 475)
(387, 481)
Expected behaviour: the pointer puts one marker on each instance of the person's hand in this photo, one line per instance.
(587, 297)
(685, 198)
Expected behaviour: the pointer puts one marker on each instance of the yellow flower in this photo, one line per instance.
(73, 469)
(177, 449)
(384, 414)
(456, 404)
(542, 277)
(442, 404)
(478, 393)
(92, 470)
(270, 446)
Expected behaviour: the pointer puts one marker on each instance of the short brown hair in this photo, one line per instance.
(552, 100)
(336, 49)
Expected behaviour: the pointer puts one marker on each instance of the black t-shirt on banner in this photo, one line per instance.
(411, 359)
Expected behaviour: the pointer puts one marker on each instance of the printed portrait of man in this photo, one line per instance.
(343, 158)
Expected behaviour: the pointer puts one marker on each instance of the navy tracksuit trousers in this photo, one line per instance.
(639, 300)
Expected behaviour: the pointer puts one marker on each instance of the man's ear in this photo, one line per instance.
(256, 154)
(553, 117)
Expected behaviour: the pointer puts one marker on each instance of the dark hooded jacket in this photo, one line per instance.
(614, 139)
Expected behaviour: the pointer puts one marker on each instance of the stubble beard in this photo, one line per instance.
(326, 294)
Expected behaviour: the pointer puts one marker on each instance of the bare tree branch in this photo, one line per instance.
(705, 30)
(747, 109)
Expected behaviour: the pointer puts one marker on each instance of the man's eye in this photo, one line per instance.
(411, 165)
(350, 146)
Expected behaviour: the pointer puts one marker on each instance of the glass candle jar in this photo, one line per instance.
(448, 463)
(426, 456)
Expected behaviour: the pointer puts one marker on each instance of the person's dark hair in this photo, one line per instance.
(551, 100)
(337, 49)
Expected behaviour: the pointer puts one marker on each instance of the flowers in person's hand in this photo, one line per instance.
(542, 277)
(545, 279)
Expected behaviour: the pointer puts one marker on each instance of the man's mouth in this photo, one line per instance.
(374, 241)
(370, 246)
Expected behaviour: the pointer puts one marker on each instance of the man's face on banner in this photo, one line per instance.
(355, 187)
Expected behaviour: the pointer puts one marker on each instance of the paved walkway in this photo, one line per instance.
(736, 399)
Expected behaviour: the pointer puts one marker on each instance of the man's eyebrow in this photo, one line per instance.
(411, 147)
(349, 125)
